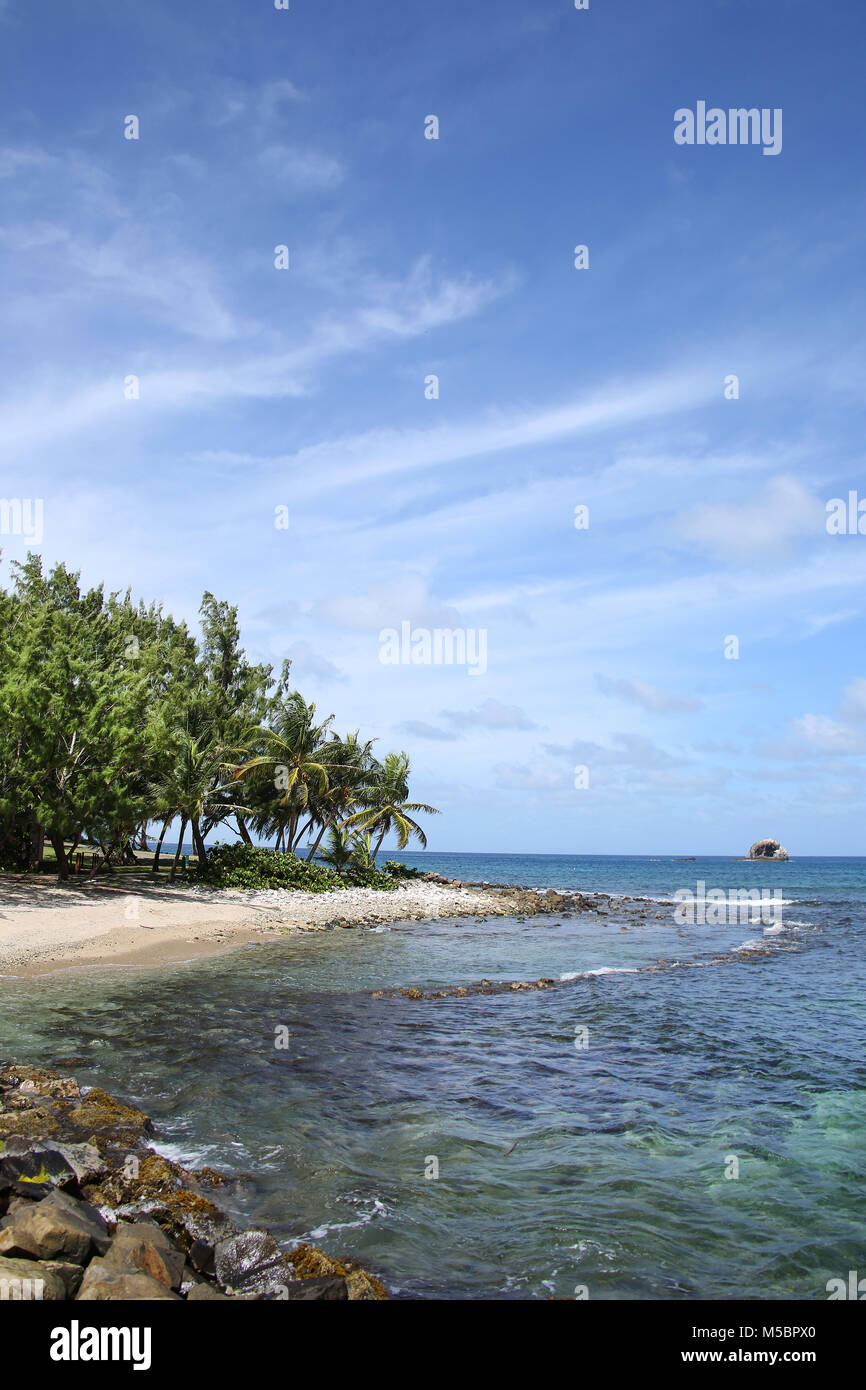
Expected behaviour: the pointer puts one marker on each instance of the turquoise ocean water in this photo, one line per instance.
(585, 1135)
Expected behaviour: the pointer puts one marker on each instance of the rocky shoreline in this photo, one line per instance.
(416, 900)
(88, 1211)
(44, 927)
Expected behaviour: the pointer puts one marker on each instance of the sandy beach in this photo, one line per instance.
(45, 927)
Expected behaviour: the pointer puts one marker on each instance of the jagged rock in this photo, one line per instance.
(311, 1263)
(36, 1172)
(57, 1227)
(189, 1279)
(53, 1238)
(251, 1261)
(39, 1082)
(767, 849)
(69, 1273)
(34, 1124)
(330, 1287)
(201, 1256)
(83, 1159)
(100, 1113)
(142, 1245)
(107, 1283)
(200, 1292)
(27, 1280)
(363, 1287)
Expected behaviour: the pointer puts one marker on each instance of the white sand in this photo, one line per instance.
(46, 927)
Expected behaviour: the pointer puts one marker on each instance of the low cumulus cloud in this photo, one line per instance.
(813, 735)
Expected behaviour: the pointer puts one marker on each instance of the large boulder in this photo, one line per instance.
(251, 1262)
(26, 1280)
(36, 1172)
(141, 1245)
(109, 1283)
(767, 849)
(58, 1227)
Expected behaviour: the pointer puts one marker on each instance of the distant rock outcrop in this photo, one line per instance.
(767, 849)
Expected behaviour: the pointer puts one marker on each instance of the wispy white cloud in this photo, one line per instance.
(403, 598)
(300, 170)
(491, 714)
(649, 697)
(307, 662)
(418, 728)
(853, 705)
(756, 524)
(280, 374)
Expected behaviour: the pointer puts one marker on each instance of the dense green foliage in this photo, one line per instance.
(400, 871)
(249, 866)
(113, 716)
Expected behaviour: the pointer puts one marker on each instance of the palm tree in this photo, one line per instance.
(387, 808)
(297, 760)
(194, 789)
(352, 774)
(338, 850)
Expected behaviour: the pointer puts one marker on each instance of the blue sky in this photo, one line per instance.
(559, 387)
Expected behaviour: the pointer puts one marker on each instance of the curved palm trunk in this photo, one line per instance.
(318, 841)
(178, 850)
(382, 835)
(155, 865)
(302, 832)
(242, 830)
(198, 842)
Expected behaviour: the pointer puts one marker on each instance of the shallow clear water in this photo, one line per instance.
(698, 1050)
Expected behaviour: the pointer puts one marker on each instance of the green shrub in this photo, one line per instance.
(368, 876)
(395, 869)
(249, 866)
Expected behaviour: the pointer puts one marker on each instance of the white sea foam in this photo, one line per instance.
(602, 970)
(377, 1209)
(186, 1155)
